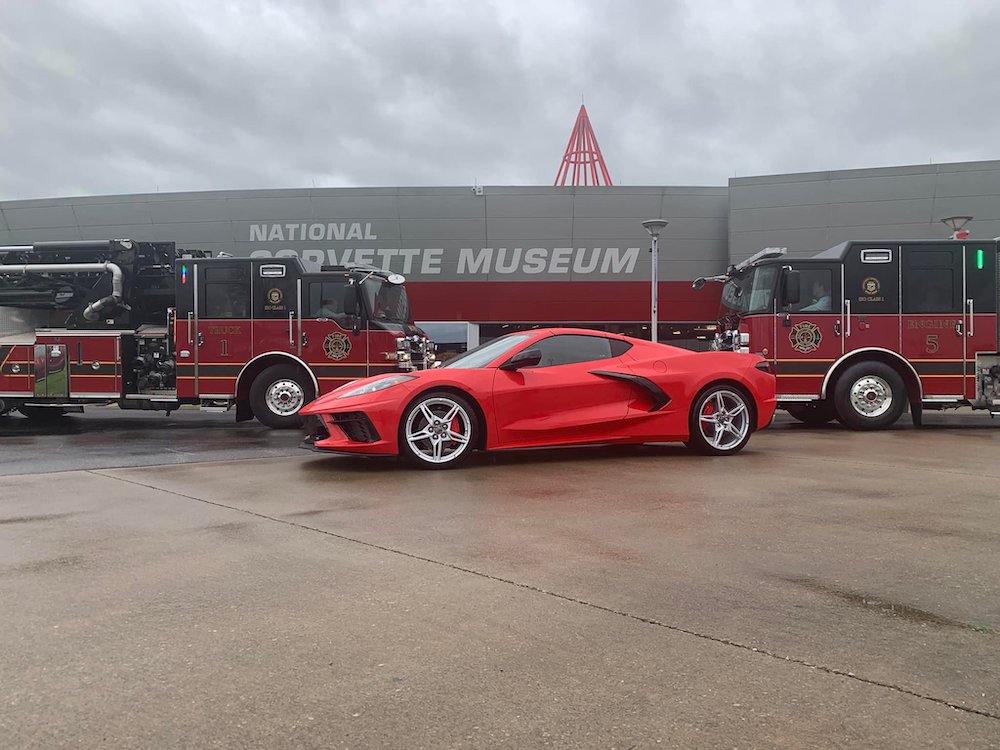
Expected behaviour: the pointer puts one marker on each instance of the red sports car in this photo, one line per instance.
(553, 386)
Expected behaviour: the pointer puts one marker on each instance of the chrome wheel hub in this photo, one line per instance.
(438, 430)
(724, 419)
(284, 397)
(871, 396)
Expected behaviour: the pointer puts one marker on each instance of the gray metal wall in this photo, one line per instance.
(810, 212)
(445, 232)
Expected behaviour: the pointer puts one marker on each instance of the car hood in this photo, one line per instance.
(332, 399)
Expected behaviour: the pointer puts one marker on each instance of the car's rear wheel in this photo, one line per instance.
(438, 431)
(721, 421)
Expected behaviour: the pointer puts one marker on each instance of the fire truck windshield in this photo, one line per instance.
(749, 292)
(388, 302)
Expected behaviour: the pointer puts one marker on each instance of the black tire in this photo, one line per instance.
(814, 414)
(439, 431)
(278, 394)
(42, 414)
(712, 437)
(869, 396)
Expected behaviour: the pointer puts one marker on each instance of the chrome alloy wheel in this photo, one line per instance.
(724, 419)
(438, 430)
(284, 397)
(871, 396)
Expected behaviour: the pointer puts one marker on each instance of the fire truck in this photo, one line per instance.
(145, 325)
(864, 330)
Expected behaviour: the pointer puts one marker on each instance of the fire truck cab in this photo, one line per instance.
(864, 330)
(147, 326)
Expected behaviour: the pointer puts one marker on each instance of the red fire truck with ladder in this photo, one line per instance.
(147, 326)
(865, 329)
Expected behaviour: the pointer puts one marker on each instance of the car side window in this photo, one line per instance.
(566, 349)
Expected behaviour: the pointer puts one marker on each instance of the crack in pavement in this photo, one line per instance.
(574, 600)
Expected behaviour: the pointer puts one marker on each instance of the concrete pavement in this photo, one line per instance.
(823, 589)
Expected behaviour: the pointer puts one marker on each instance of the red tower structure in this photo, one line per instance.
(583, 156)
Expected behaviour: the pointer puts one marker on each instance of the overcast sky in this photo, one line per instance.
(125, 96)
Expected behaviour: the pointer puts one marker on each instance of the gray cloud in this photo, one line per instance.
(118, 96)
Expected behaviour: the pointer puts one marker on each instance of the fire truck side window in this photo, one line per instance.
(227, 293)
(327, 300)
(932, 280)
(817, 290)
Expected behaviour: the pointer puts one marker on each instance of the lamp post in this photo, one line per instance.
(957, 224)
(654, 227)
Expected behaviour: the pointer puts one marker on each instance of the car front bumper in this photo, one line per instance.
(367, 429)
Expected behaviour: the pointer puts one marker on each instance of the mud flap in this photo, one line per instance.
(243, 411)
(917, 412)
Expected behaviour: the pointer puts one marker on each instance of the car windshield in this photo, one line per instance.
(484, 354)
(388, 302)
(750, 292)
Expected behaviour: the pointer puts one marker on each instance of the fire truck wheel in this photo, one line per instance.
(438, 431)
(41, 413)
(721, 421)
(869, 396)
(277, 395)
(815, 414)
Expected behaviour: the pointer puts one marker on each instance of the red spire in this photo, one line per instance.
(584, 155)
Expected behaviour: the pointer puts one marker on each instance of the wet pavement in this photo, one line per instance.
(105, 437)
(822, 589)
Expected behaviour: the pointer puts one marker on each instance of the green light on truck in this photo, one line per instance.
(980, 257)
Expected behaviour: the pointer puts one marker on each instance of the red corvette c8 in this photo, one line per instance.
(546, 387)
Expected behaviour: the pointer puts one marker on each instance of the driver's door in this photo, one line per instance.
(560, 400)
(809, 333)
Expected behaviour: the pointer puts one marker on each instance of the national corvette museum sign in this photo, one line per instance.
(427, 261)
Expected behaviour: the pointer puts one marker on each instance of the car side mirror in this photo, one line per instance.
(792, 288)
(527, 358)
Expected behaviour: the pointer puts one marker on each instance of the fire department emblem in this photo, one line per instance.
(337, 346)
(870, 286)
(274, 296)
(805, 337)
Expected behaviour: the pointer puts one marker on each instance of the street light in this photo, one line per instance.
(654, 227)
(956, 224)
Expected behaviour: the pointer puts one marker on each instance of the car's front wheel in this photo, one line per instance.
(721, 421)
(438, 431)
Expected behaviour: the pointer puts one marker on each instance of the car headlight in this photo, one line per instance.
(375, 386)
